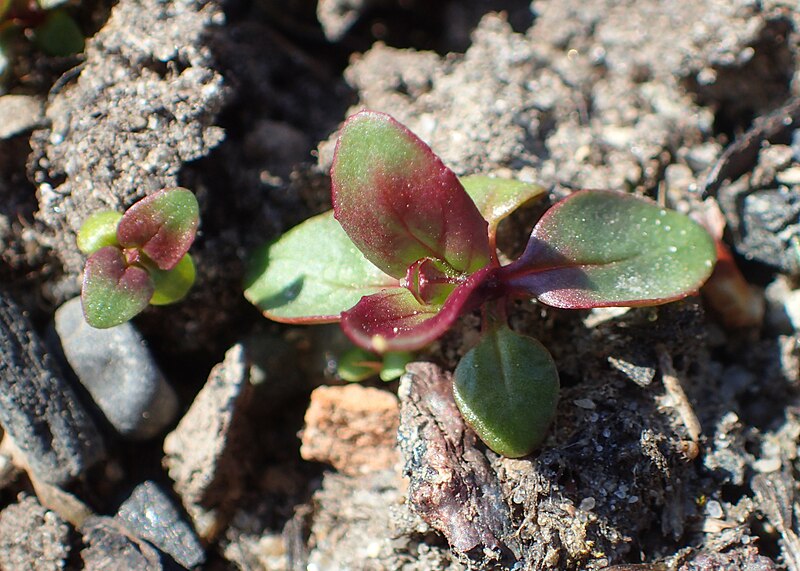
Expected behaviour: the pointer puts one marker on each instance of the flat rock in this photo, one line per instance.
(352, 428)
(108, 545)
(39, 409)
(118, 371)
(203, 454)
(32, 537)
(150, 514)
(20, 113)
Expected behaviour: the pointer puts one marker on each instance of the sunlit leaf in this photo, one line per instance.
(98, 231)
(507, 390)
(162, 225)
(598, 248)
(496, 198)
(312, 273)
(173, 285)
(393, 319)
(113, 292)
(399, 203)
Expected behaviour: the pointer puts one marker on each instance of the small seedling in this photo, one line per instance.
(409, 248)
(138, 258)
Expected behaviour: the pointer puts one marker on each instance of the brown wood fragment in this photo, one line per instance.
(453, 487)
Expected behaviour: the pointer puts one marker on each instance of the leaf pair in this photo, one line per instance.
(138, 258)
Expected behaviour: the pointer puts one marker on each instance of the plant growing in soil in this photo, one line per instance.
(409, 247)
(45, 22)
(138, 258)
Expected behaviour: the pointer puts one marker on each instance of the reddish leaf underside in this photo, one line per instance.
(113, 292)
(393, 319)
(399, 203)
(162, 225)
(599, 248)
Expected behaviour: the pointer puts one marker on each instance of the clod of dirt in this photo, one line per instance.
(142, 104)
(32, 537)
(352, 428)
(39, 409)
(204, 453)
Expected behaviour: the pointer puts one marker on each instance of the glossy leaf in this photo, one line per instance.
(173, 285)
(496, 198)
(163, 225)
(312, 274)
(393, 319)
(98, 231)
(599, 248)
(507, 390)
(113, 292)
(399, 203)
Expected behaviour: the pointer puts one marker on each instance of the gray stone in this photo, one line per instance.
(32, 537)
(203, 454)
(39, 409)
(119, 373)
(151, 515)
(19, 113)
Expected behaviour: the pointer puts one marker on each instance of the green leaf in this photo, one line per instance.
(59, 35)
(507, 390)
(357, 365)
(98, 231)
(162, 225)
(113, 292)
(496, 198)
(4, 5)
(399, 203)
(599, 248)
(312, 273)
(394, 364)
(173, 285)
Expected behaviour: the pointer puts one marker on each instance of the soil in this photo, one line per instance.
(675, 444)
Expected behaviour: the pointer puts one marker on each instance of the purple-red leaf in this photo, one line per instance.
(399, 203)
(162, 225)
(393, 319)
(600, 249)
(113, 292)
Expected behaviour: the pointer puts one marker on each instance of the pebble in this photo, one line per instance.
(150, 514)
(39, 409)
(118, 371)
(20, 113)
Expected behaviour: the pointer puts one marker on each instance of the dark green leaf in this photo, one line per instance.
(507, 391)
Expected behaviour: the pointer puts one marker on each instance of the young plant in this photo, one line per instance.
(409, 248)
(138, 258)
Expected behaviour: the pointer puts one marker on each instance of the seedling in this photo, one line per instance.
(409, 248)
(138, 258)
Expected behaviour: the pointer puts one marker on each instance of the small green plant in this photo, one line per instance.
(409, 248)
(138, 258)
(46, 23)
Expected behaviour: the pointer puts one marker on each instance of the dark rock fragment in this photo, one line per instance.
(151, 515)
(39, 410)
(110, 546)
